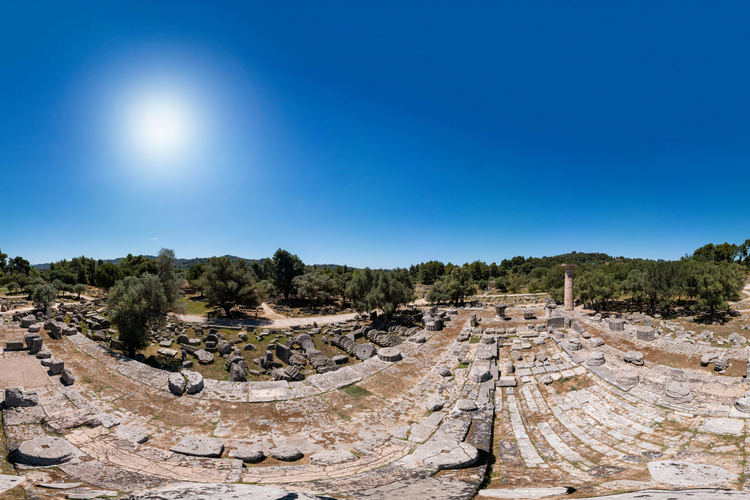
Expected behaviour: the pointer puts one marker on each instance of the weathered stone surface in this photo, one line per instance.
(678, 393)
(596, 358)
(176, 384)
(130, 434)
(435, 403)
(506, 382)
(743, 404)
(365, 351)
(722, 363)
(247, 453)
(44, 451)
(616, 324)
(519, 493)
(286, 453)
(27, 321)
(730, 426)
(627, 380)
(220, 492)
(14, 345)
(340, 359)
(596, 342)
(56, 366)
(199, 446)
(480, 373)
(67, 377)
(36, 328)
(466, 405)
(645, 333)
(689, 474)
(9, 482)
(332, 457)
(204, 357)
(16, 397)
(194, 382)
(389, 354)
(443, 453)
(555, 322)
(634, 357)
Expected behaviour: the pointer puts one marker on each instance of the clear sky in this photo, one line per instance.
(373, 133)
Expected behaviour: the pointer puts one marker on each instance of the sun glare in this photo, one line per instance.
(160, 127)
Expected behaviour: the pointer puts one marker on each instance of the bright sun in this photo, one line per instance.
(160, 127)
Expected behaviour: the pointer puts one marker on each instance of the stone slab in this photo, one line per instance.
(268, 391)
(514, 493)
(8, 482)
(335, 379)
(199, 446)
(23, 372)
(689, 474)
(220, 492)
(722, 426)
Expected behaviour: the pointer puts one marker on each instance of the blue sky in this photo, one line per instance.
(374, 134)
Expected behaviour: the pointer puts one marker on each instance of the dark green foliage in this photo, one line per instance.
(167, 276)
(138, 304)
(316, 285)
(228, 284)
(385, 290)
(106, 275)
(430, 272)
(43, 295)
(286, 267)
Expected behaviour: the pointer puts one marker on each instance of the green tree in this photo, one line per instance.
(195, 276)
(138, 304)
(229, 284)
(43, 295)
(79, 288)
(13, 286)
(286, 267)
(717, 284)
(106, 275)
(20, 265)
(595, 286)
(167, 275)
(430, 272)
(437, 293)
(385, 290)
(3, 262)
(315, 285)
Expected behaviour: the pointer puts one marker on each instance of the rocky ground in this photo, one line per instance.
(507, 407)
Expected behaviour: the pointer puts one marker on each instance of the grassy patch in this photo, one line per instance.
(355, 391)
(474, 339)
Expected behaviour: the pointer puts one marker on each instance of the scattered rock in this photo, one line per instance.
(331, 457)
(67, 377)
(16, 397)
(177, 384)
(286, 453)
(435, 403)
(199, 446)
(247, 453)
(44, 451)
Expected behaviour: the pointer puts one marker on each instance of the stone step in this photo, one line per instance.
(529, 454)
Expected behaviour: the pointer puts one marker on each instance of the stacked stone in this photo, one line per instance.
(596, 358)
(617, 325)
(645, 333)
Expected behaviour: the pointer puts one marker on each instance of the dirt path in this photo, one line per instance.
(278, 322)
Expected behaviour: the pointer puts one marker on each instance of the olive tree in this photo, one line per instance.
(228, 284)
(43, 295)
(137, 304)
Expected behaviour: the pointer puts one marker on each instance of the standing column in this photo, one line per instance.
(568, 286)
